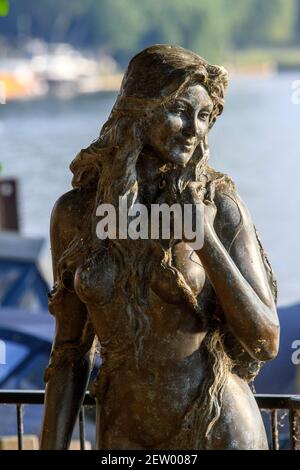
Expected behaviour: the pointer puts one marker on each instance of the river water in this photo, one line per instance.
(256, 142)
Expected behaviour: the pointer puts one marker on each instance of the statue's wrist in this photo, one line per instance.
(210, 241)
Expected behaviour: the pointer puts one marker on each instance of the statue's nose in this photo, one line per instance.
(190, 127)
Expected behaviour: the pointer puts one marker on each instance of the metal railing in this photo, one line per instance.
(273, 404)
(288, 403)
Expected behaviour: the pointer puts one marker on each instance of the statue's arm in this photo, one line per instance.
(72, 353)
(233, 261)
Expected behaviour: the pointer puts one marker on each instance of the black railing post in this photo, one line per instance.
(294, 419)
(20, 426)
(82, 428)
(274, 423)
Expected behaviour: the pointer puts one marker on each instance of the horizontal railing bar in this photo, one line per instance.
(31, 397)
(271, 402)
(36, 397)
(295, 403)
(22, 397)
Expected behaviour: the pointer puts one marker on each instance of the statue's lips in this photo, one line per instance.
(186, 144)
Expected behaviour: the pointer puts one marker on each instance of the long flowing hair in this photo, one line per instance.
(108, 168)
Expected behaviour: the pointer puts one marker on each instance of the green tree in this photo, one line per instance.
(200, 26)
(123, 27)
(262, 22)
(4, 7)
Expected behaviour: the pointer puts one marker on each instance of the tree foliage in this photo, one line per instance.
(122, 27)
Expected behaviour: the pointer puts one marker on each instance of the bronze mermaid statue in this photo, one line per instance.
(181, 332)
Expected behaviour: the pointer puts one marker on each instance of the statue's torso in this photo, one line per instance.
(170, 365)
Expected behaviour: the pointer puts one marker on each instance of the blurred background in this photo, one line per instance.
(61, 63)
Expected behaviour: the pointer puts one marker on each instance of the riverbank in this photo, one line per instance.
(60, 70)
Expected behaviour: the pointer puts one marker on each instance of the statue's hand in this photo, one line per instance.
(204, 210)
(195, 193)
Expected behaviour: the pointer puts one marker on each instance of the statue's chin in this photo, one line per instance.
(180, 158)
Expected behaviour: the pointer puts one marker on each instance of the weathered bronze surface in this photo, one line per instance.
(181, 333)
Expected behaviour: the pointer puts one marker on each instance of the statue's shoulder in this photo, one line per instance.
(219, 182)
(70, 212)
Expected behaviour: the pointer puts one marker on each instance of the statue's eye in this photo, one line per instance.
(203, 115)
(178, 109)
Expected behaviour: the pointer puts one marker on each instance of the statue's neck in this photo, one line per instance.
(150, 169)
(150, 165)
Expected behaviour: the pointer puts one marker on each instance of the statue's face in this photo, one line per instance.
(178, 127)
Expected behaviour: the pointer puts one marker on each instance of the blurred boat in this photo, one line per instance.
(58, 69)
(19, 82)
